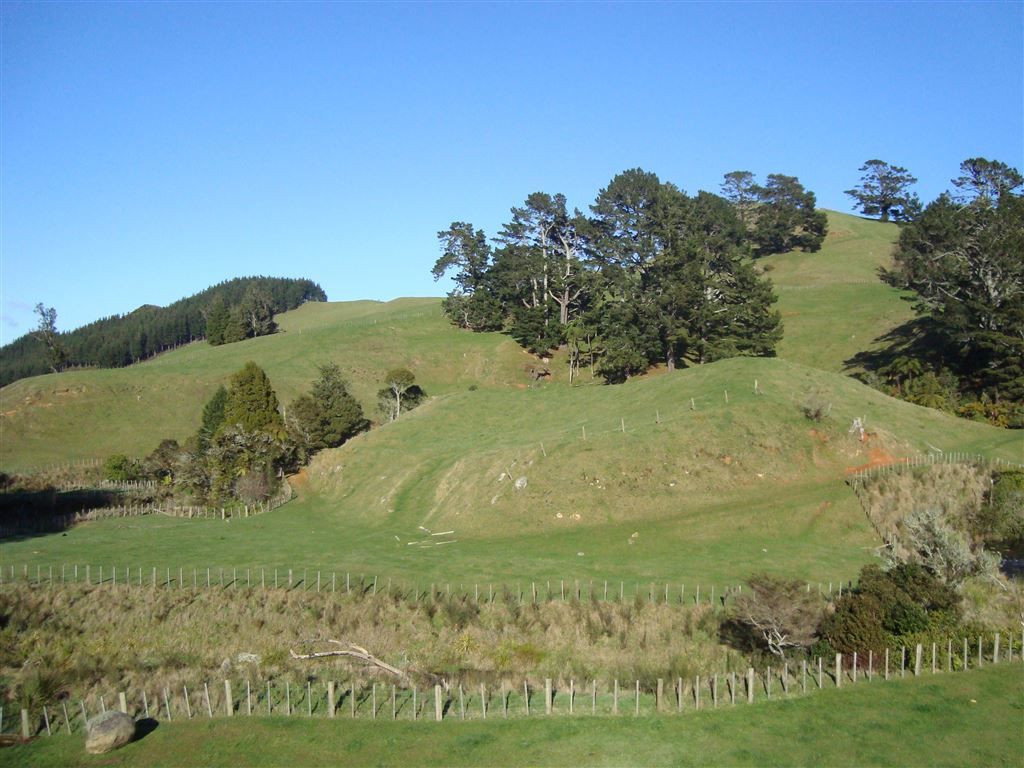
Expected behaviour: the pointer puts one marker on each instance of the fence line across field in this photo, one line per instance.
(346, 582)
(910, 463)
(235, 697)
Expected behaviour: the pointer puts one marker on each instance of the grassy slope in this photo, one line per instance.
(712, 493)
(94, 413)
(832, 302)
(955, 720)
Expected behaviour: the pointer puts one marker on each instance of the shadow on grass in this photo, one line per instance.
(916, 339)
(144, 727)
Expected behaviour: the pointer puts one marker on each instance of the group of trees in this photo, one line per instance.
(246, 441)
(228, 311)
(779, 216)
(651, 275)
(962, 257)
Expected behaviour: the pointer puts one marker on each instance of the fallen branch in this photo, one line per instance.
(354, 651)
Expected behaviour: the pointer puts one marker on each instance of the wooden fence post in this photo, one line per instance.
(839, 670)
(229, 700)
(438, 704)
(917, 660)
(122, 701)
(659, 695)
(547, 696)
(331, 704)
(750, 685)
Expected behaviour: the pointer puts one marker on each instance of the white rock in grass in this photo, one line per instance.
(520, 483)
(108, 731)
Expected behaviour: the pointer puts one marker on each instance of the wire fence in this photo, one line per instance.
(440, 700)
(316, 581)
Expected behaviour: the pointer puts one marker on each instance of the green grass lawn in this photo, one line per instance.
(973, 719)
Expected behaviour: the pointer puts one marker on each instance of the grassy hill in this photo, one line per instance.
(694, 489)
(94, 413)
(833, 304)
(831, 301)
(691, 475)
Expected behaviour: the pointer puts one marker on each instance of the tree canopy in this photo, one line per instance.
(251, 403)
(884, 191)
(964, 263)
(651, 275)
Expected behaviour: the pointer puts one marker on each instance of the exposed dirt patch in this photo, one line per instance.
(878, 456)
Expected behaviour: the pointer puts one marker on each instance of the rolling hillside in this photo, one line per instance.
(831, 301)
(693, 474)
(94, 413)
(833, 304)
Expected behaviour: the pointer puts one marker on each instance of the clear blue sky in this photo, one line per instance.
(148, 150)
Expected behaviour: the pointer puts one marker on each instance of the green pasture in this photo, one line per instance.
(832, 302)
(86, 414)
(955, 719)
(708, 492)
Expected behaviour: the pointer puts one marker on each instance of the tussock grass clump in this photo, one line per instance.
(957, 490)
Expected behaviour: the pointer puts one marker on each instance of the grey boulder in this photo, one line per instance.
(108, 731)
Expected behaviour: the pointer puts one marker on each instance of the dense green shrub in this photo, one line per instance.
(886, 605)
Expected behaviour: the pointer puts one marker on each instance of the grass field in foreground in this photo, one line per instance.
(973, 719)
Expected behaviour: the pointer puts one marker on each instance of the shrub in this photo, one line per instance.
(816, 407)
(781, 613)
(120, 469)
(907, 600)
